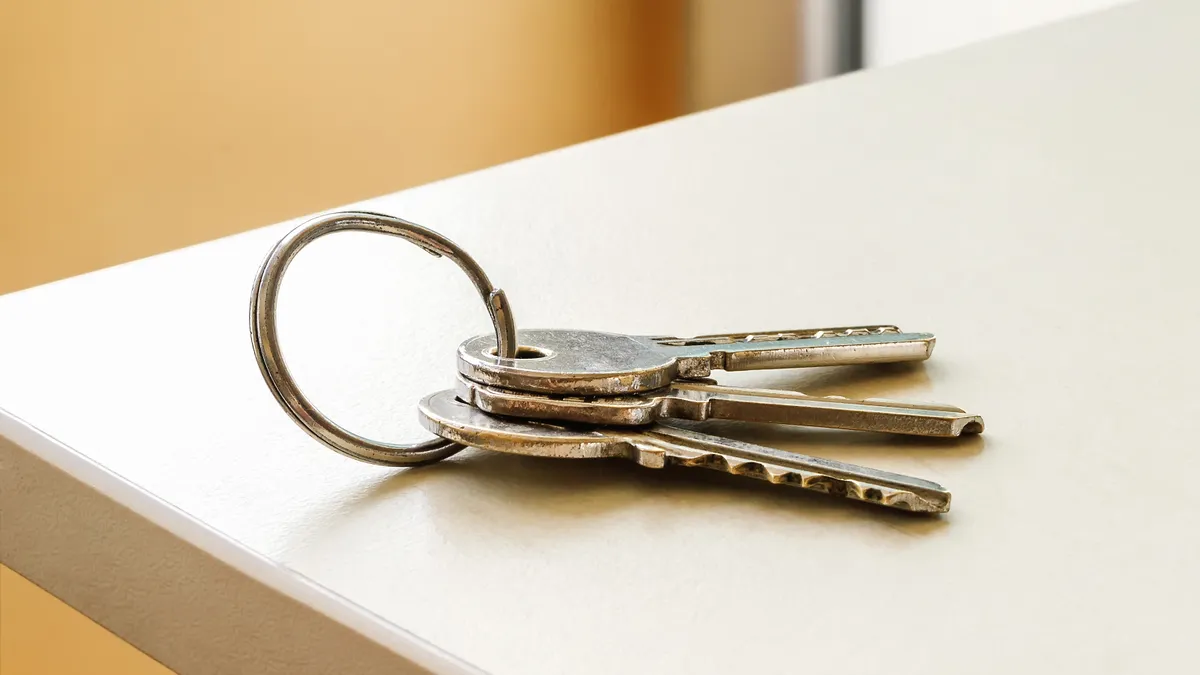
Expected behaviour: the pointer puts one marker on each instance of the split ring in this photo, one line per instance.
(265, 339)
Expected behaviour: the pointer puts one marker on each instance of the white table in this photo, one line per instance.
(1032, 200)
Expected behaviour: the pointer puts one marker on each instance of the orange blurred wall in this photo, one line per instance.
(41, 635)
(131, 127)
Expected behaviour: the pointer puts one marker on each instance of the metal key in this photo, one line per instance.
(661, 445)
(587, 363)
(700, 401)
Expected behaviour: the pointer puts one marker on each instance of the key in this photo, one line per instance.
(660, 445)
(587, 363)
(700, 401)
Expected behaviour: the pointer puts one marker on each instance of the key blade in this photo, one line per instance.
(809, 347)
(700, 401)
(703, 401)
(664, 445)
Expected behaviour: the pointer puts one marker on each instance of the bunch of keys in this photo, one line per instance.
(583, 394)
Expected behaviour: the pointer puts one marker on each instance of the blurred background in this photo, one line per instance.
(133, 127)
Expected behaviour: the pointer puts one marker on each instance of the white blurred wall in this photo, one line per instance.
(898, 30)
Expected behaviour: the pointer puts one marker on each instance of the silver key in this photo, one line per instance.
(700, 401)
(661, 445)
(587, 363)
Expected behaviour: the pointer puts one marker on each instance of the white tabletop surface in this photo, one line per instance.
(1033, 201)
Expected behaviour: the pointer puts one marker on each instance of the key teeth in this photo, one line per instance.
(840, 487)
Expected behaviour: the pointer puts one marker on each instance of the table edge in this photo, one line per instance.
(70, 523)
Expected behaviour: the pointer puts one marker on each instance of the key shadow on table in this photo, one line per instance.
(546, 491)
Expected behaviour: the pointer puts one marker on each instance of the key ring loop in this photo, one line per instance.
(265, 339)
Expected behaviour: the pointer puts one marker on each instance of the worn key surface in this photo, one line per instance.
(699, 401)
(661, 445)
(593, 363)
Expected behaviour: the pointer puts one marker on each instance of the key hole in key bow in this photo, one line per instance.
(525, 352)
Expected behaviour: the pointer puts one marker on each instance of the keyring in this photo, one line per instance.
(263, 334)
